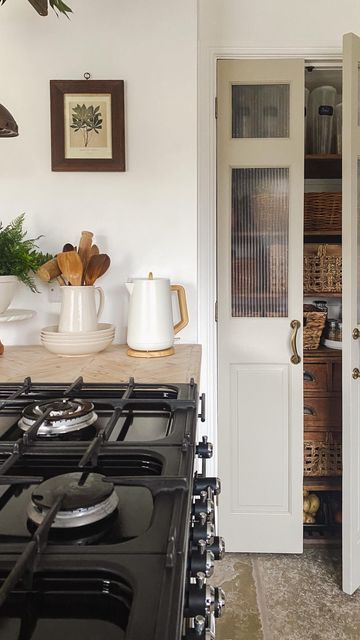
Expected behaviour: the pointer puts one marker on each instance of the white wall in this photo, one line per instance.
(144, 218)
(278, 23)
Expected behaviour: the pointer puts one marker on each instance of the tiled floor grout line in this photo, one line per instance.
(267, 635)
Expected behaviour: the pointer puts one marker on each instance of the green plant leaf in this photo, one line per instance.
(19, 255)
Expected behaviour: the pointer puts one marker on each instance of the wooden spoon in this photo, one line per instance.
(68, 247)
(97, 266)
(49, 270)
(94, 250)
(71, 267)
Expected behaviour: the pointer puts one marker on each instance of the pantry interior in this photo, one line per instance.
(322, 362)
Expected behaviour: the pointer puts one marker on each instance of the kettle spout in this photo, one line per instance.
(129, 286)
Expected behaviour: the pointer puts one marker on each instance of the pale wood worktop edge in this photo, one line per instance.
(111, 365)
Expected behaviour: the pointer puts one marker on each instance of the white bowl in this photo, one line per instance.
(81, 345)
(103, 328)
(84, 349)
(75, 339)
(8, 286)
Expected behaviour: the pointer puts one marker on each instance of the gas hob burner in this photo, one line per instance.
(86, 500)
(67, 415)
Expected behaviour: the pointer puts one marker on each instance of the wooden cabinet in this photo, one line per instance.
(322, 429)
(322, 390)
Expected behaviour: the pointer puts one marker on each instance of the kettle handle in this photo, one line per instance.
(182, 306)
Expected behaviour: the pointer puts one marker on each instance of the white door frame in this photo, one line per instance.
(207, 330)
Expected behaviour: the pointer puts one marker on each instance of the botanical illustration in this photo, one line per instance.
(87, 121)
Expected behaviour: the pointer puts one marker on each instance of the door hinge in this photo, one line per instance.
(216, 311)
(216, 107)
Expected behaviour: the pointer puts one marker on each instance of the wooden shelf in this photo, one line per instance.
(316, 294)
(323, 483)
(323, 233)
(323, 166)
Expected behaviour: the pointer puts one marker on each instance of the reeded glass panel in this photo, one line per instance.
(260, 111)
(259, 242)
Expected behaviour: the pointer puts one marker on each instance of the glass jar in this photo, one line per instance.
(331, 329)
(339, 331)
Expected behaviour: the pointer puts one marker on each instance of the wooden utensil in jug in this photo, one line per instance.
(49, 270)
(71, 267)
(97, 266)
(84, 247)
(68, 247)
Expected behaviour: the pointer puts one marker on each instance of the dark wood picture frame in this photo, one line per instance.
(58, 90)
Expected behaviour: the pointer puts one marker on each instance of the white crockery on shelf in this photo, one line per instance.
(103, 328)
(89, 341)
(75, 348)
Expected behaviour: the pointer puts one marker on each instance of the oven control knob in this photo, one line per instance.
(200, 600)
(204, 506)
(203, 562)
(203, 532)
(219, 602)
(203, 484)
(204, 449)
(217, 547)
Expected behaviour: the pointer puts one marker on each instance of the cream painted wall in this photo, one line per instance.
(144, 218)
(277, 24)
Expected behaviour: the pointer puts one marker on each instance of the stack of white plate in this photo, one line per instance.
(72, 343)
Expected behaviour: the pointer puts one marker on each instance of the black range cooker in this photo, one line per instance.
(106, 529)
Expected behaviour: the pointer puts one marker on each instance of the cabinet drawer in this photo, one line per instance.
(337, 379)
(322, 412)
(316, 377)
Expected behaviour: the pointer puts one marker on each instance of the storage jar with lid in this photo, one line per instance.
(321, 115)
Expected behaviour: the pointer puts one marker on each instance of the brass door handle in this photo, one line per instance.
(356, 373)
(295, 326)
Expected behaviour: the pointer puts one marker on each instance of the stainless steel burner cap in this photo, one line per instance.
(67, 415)
(84, 503)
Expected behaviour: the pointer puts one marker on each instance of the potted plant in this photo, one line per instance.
(18, 258)
(41, 6)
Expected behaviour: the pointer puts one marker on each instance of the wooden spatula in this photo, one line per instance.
(97, 266)
(71, 267)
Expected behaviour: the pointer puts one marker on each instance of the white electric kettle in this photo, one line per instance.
(150, 323)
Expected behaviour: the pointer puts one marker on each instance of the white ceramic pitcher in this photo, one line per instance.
(78, 309)
(150, 323)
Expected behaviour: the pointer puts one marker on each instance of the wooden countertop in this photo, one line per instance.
(111, 365)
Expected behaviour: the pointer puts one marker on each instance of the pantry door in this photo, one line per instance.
(351, 314)
(260, 303)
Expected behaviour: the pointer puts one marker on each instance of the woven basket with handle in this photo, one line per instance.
(322, 455)
(314, 323)
(322, 269)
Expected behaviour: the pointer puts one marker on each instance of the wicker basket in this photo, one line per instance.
(314, 323)
(270, 211)
(322, 454)
(322, 212)
(322, 269)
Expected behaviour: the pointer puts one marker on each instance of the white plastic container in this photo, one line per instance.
(321, 114)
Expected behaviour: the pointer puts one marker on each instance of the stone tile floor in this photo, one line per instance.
(286, 597)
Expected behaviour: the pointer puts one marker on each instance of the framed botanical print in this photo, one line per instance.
(87, 125)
